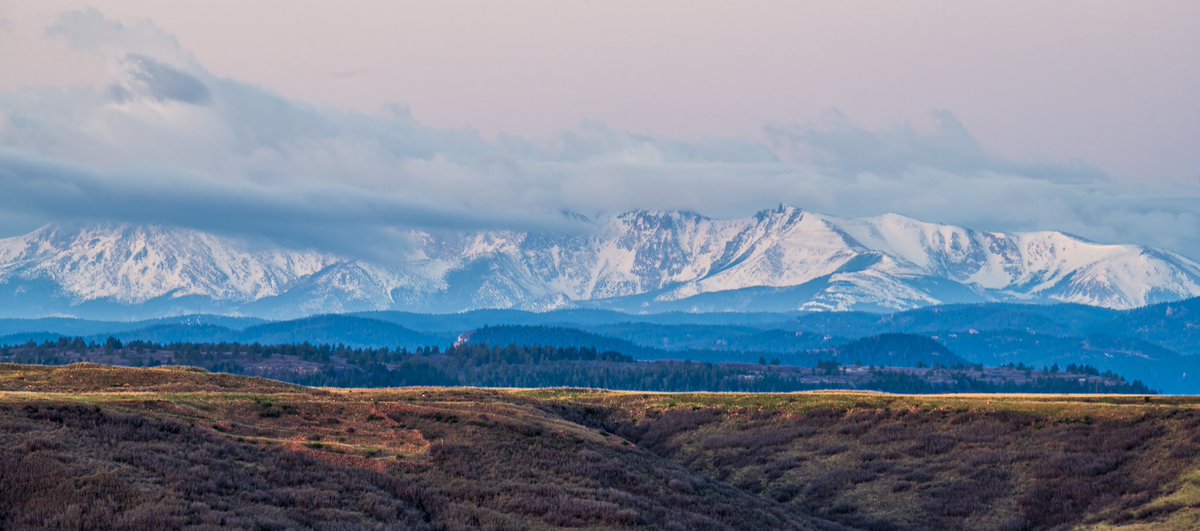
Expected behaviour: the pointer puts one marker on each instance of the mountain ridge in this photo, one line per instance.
(1159, 344)
(780, 259)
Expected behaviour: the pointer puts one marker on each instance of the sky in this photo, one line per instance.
(337, 127)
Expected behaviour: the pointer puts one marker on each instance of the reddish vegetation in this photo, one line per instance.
(218, 451)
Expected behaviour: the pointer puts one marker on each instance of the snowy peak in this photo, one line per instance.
(1115, 276)
(926, 245)
(1041, 265)
(782, 247)
(783, 258)
(132, 264)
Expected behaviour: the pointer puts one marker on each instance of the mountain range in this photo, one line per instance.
(1157, 344)
(781, 259)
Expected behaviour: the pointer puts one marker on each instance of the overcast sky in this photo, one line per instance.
(332, 127)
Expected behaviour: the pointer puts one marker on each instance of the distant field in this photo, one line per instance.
(89, 446)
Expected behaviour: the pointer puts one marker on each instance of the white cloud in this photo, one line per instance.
(168, 142)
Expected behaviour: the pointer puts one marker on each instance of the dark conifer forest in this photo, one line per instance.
(525, 366)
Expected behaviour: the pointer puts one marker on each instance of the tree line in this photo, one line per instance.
(549, 366)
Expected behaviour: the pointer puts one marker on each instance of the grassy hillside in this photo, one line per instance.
(100, 447)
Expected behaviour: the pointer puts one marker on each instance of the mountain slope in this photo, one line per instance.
(134, 264)
(782, 259)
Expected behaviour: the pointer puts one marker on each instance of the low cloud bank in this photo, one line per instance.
(167, 142)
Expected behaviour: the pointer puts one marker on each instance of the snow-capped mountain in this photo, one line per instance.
(778, 259)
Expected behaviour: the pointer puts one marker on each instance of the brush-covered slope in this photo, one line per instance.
(78, 452)
(257, 459)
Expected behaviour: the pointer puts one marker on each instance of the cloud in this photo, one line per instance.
(168, 142)
(148, 78)
(306, 215)
(839, 146)
(91, 33)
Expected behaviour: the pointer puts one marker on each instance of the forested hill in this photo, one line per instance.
(892, 350)
(884, 350)
(550, 366)
(1158, 344)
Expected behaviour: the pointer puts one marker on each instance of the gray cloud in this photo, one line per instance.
(332, 218)
(838, 145)
(180, 146)
(148, 78)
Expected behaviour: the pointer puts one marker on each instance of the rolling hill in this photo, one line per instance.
(171, 448)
